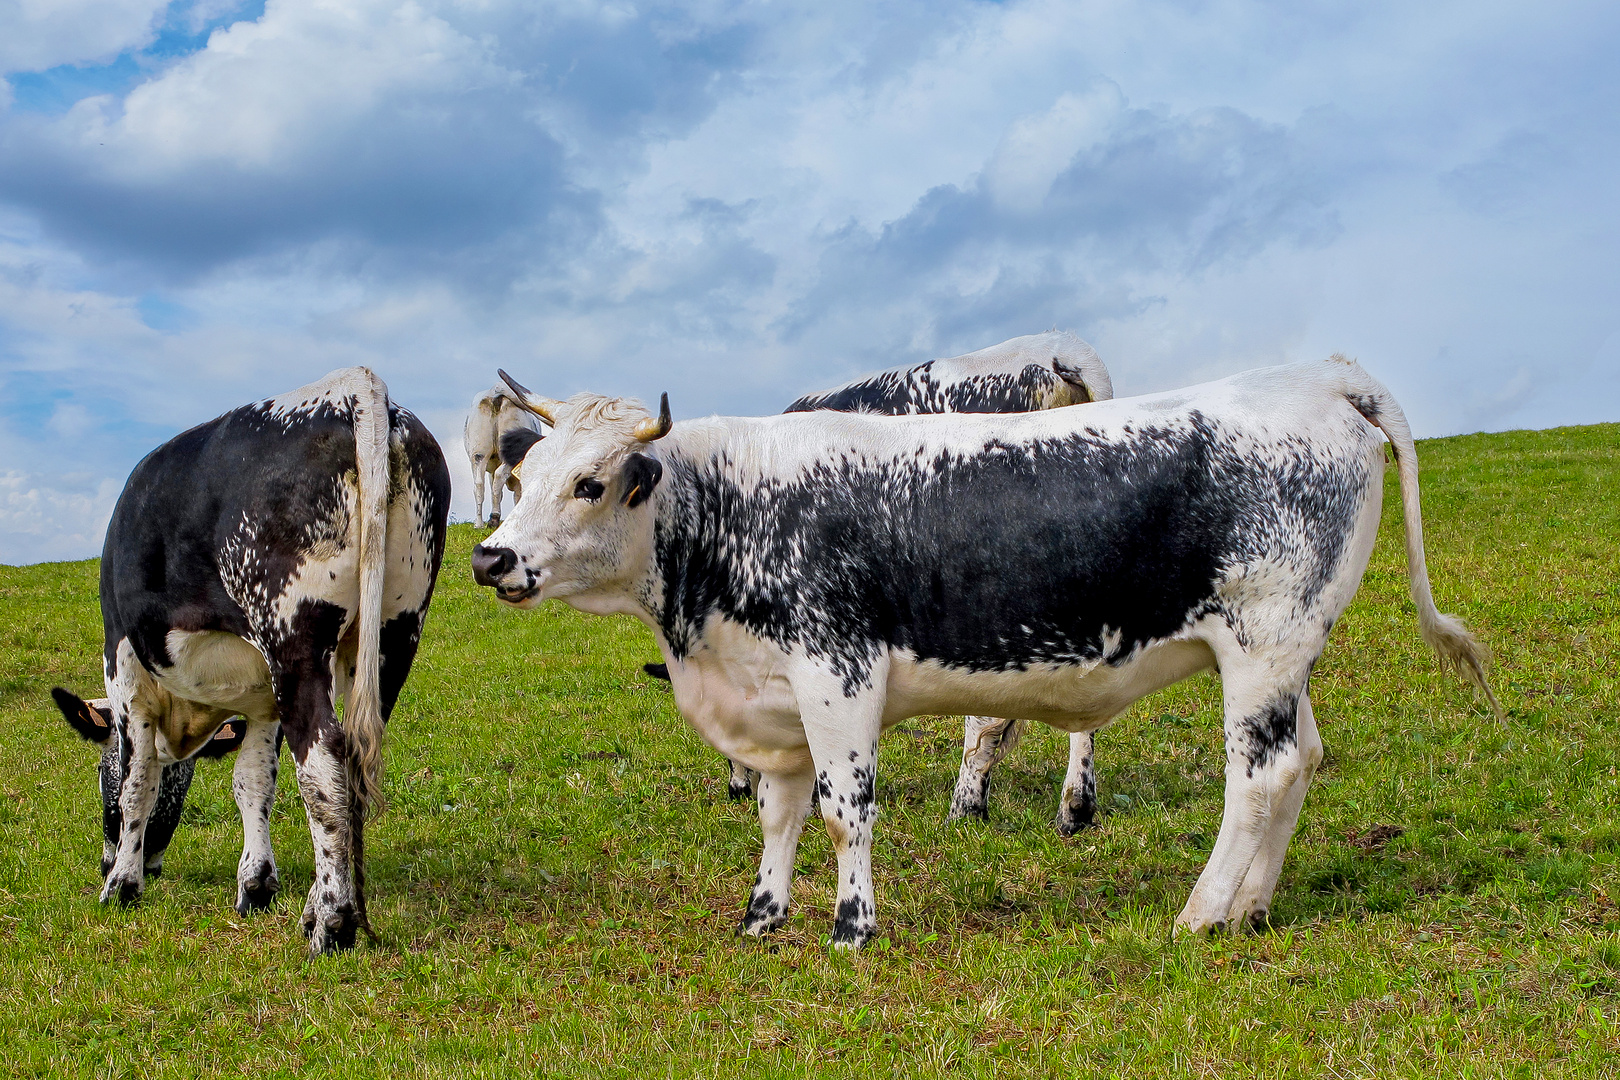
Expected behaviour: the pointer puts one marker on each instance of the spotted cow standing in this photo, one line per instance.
(813, 579)
(265, 565)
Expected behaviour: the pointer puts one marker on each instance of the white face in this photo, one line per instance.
(583, 531)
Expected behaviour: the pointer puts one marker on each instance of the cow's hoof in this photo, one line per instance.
(657, 671)
(333, 932)
(1199, 927)
(123, 889)
(1259, 922)
(764, 914)
(258, 893)
(1074, 819)
(494, 521)
(855, 924)
(154, 869)
(968, 811)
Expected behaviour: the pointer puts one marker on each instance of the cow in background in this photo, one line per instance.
(493, 415)
(265, 565)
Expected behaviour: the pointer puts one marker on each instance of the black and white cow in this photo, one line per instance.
(492, 416)
(264, 565)
(814, 578)
(1023, 374)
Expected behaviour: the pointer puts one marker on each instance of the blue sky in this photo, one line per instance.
(202, 203)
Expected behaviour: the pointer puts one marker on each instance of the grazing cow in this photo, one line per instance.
(1024, 374)
(94, 721)
(813, 579)
(494, 415)
(264, 565)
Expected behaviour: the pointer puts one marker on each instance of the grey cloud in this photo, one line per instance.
(1160, 193)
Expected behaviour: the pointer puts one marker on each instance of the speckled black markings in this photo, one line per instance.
(1270, 732)
(857, 557)
(764, 912)
(917, 390)
(855, 922)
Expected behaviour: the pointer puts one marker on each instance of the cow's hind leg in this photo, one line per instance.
(1253, 903)
(985, 741)
(1264, 762)
(478, 474)
(253, 782)
(304, 689)
(784, 803)
(1077, 806)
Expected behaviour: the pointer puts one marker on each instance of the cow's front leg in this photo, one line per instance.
(985, 741)
(173, 786)
(842, 730)
(138, 784)
(1077, 806)
(253, 782)
(784, 803)
(742, 783)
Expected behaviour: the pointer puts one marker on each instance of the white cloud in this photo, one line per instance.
(39, 34)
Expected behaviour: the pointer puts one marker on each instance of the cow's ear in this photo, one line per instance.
(229, 737)
(93, 721)
(641, 474)
(515, 445)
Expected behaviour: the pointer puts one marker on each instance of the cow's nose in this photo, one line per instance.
(491, 564)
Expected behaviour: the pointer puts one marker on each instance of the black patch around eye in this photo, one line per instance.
(589, 489)
(641, 475)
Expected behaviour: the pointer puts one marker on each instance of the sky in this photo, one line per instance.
(207, 202)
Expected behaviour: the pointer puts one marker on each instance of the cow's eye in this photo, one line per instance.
(589, 489)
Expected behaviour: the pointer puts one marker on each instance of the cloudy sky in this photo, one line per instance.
(205, 202)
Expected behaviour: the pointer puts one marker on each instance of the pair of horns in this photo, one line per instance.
(546, 409)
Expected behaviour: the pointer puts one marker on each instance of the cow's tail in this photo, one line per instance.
(1446, 634)
(362, 713)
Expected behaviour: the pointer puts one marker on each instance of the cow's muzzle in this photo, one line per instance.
(490, 565)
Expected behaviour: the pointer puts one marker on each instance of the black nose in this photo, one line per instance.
(489, 564)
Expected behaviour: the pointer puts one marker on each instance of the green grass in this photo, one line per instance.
(559, 875)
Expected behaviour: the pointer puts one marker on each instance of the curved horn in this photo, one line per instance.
(543, 407)
(649, 430)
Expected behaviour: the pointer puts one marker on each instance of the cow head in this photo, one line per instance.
(93, 720)
(584, 525)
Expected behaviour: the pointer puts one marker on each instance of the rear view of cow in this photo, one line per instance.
(265, 565)
(494, 415)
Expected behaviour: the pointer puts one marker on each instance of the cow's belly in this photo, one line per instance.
(220, 670)
(732, 690)
(1073, 697)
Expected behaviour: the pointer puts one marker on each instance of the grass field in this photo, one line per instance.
(559, 875)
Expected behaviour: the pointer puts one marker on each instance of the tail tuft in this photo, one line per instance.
(1458, 649)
